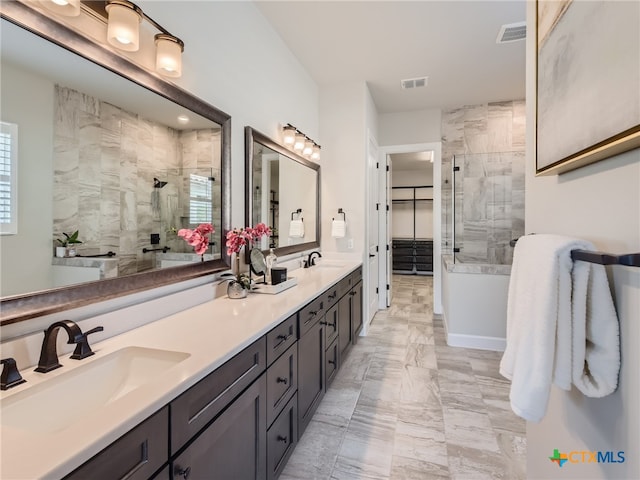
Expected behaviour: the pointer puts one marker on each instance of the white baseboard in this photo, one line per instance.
(476, 341)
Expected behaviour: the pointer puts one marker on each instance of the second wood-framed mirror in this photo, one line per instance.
(282, 190)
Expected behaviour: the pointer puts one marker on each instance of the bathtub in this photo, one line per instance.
(474, 304)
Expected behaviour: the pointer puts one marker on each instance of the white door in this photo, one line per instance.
(372, 233)
(388, 232)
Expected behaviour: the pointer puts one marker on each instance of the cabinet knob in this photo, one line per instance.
(183, 472)
(282, 380)
(332, 362)
(332, 296)
(282, 439)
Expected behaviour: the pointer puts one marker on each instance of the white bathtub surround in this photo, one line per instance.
(561, 325)
(474, 302)
(210, 333)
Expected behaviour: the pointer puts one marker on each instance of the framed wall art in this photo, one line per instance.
(588, 82)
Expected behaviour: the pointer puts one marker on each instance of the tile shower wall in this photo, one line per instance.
(104, 164)
(489, 140)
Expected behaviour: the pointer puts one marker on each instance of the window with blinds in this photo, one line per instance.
(200, 199)
(8, 178)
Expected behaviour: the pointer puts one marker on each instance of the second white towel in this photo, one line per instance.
(561, 325)
(338, 228)
(296, 228)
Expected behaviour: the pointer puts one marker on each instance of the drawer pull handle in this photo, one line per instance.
(184, 473)
(284, 338)
(332, 296)
(352, 293)
(282, 380)
(323, 323)
(313, 314)
(332, 362)
(282, 439)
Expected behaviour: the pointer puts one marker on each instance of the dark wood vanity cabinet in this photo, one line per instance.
(243, 420)
(311, 379)
(234, 445)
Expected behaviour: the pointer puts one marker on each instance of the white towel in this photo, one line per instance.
(561, 325)
(296, 228)
(338, 228)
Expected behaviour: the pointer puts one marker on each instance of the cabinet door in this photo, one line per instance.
(344, 323)
(331, 325)
(310, 374)
(233, 447)
(356, 311)
(282, 438)
(332, 362)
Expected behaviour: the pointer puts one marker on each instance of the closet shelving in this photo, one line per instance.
(412, 255)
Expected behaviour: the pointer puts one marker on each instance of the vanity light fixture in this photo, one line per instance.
(298, 145)
(68, 8)
(123, 32)
(315, 154)
(288, 135)
(295, 140)
(308, 148)
(123, 25)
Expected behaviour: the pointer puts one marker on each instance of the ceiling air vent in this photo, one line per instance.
(414, 82)
(512, 32)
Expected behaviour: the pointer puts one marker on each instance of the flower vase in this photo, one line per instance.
(236, 289)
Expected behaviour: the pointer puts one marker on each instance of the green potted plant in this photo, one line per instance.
(68, 244)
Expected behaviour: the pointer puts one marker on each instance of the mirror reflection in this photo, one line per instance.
(103, 156)
(284, 194)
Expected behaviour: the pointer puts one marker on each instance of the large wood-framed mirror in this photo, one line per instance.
(101, 150)
(282, 190)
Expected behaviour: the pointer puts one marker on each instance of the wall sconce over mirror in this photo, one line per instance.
(299, 143)
(123, 19)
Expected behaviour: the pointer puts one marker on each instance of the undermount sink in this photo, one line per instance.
(56, 403)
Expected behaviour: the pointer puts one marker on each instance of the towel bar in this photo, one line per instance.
(601, 258)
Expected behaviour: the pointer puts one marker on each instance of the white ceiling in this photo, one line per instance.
(381, 42)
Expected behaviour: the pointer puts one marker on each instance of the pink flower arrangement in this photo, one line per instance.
(239, 237)
(198, 238)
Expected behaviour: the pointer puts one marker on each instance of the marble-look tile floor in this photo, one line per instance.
(407, 406)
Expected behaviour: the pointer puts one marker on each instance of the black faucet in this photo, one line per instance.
(49, 354)
(10, 375)
(310, 261)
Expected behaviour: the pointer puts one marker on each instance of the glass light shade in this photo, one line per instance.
(308, 148)
(288, 135)
(68, 8)
(123, 29)
(299, 143)
(315, 155)
(169, 55)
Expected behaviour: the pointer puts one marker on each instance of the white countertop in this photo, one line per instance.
(211, 333)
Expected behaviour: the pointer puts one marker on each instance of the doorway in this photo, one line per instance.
(411, 229)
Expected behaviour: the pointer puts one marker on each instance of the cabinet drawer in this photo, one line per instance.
(344, 286)
(310, 314)
(356, 276)
(332, 362)
(332, 295)
(136, 455)
(282, 382)
(196, 407)
(281, 338)
(282, 438)
(331, 325)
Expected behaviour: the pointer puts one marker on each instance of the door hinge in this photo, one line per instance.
(388, 286)
(456, 169)
(387, 168)
(387, 247)
(377, 248)
(376, 289)
(387, 208)
(377, 206)
(377, 164)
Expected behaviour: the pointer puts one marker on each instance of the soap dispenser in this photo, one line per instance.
(271, 259)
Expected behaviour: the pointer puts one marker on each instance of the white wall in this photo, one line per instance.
(343, 172)
(601, 203)
(25, 260)
(403, 128)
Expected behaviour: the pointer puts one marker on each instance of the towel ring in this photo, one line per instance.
(340, 211)
(297, 212)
